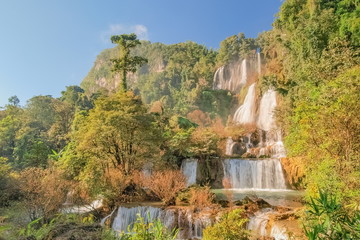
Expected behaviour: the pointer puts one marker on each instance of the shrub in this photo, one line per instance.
(44, 191)
(165, 184)
(201, 197)
(149, 231)
(115, 184)
(232, 226)
(327, 219)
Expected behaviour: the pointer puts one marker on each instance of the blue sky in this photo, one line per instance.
(46, 45)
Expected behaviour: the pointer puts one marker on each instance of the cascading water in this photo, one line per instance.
(231, 77)
(258, 225)
(189, 167)
(190, 227)
(254, 174)
(245, 114)
(258, 222)
(265, 119)
(96, 204)
(243, 72)
(279, 233)
(127, 217)
(229, 146)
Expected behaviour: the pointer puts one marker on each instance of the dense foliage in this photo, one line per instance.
(232, 226)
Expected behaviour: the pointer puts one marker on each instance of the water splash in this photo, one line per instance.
(258, 222)
(279, 233)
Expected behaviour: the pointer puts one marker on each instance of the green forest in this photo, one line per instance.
(122, 137)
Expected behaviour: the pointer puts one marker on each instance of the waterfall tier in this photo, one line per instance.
(245, 114)
(258, 222)
(189, 167)
(265, 119)
(126, 217)
(231, 77)
(258, 225)
(190, 227)
(254, 174)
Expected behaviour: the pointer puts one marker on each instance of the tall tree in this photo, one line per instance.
(126, 63)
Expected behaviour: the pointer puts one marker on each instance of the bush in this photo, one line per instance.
(149, 231)
(165, 184)
(115, 184)
(9, 187)
(44, 191)
(327, 219)
(201, 197)
(232, 226)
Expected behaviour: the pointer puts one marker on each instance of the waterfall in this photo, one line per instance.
(103, 221)
(246, 112)
(254, 174)
(183, 219)
(279, 233)
(96, 204)
(189, 167)
(229, 146)
(258, 56)
(243, 72)
(258, 222)
(272, 144)
(231, 77)
(266, 111)
(219, 82)
(127, 217)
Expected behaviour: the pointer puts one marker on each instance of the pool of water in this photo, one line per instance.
(286, 198)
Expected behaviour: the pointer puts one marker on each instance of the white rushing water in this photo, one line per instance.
(229, 146)
(231, 77)
(126, 217)
(258, 225)
(246, 113)
(268, 103)
(96, 204)
(190, 227)
(258, 222)
(279, 233)
(254, 174)
(189, 167)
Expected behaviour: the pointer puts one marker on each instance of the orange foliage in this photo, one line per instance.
(199, 117)
(165, 184)
(201, 197)
(229, 194)
(44, 191)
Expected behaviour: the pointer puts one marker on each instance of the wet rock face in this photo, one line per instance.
(210, 172)
(239, 149)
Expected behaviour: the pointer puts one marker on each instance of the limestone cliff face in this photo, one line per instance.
(179, 61)
(294, 171)
(101, 77)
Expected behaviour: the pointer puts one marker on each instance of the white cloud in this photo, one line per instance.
(116, 29)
